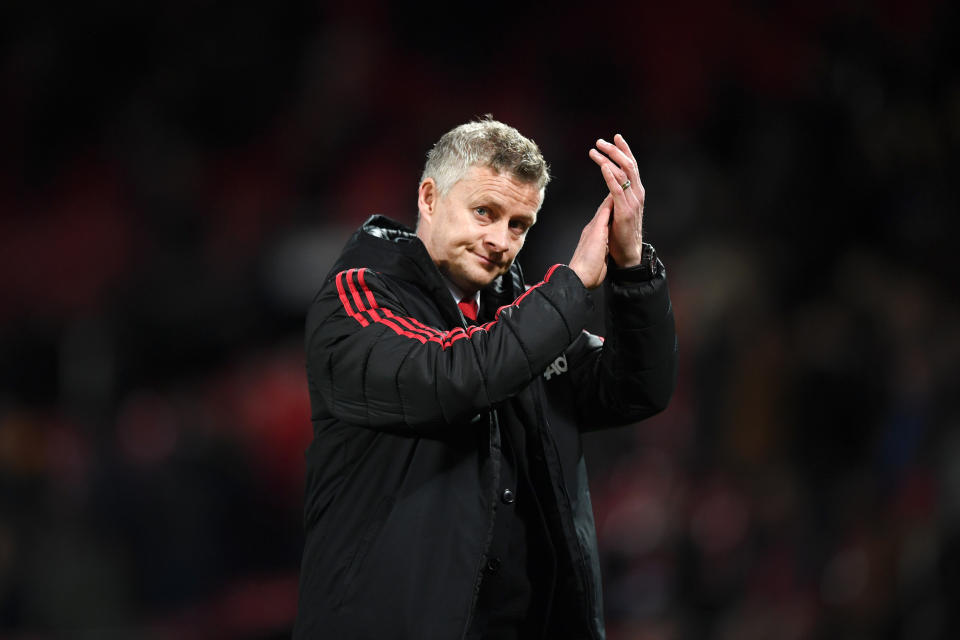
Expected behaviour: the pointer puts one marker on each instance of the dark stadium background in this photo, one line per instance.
(176, 177)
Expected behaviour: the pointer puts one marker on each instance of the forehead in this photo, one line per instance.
(483, 185)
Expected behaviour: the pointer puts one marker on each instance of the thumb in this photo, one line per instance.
(601, 219)
(604, 211)
(600, 223)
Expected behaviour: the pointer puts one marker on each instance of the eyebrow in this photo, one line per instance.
(485, 198)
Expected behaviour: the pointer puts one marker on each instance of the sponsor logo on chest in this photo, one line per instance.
(556, 368)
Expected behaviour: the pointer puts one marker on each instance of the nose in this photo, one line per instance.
(497, 238)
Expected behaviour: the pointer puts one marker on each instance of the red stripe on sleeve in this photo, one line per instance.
(409, 325)
(366, 289)
(525, 294)
(387, 313)
(353, 291)
(400, 331)
(345, 301)
(360, 303)
(425, 327)
(388, 318)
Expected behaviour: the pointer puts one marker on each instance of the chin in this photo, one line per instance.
(486, 278)
(477, 278)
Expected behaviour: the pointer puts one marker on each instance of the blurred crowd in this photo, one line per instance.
(176, 179)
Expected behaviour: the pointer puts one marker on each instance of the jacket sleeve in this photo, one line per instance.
(375, 365)
(631, 374)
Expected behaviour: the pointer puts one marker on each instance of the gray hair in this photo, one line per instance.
(487, 143)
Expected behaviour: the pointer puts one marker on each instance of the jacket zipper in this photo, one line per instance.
(494, 424)
(582, 577)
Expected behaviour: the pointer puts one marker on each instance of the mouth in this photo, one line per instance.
(487, 261)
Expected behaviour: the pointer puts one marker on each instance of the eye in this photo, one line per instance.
(518, 226)
(482, 211)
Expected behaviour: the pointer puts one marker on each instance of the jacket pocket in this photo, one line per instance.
(368, 536)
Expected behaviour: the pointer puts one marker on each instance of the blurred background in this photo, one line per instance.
(177, 177)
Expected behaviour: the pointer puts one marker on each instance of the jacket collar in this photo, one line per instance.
(387, 246)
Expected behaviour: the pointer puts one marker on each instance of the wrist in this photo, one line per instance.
(628, 263)
(645, 269)
(629, 255)
(629, 260)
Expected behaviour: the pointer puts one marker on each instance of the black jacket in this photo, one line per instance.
(408, 405)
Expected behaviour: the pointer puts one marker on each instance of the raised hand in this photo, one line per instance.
(589, 259)
(619, 169)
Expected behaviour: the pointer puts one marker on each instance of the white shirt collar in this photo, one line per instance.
(458, 294)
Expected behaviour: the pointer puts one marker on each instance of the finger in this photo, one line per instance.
(615, 186)
(604, 210)
(601, 219)
(621, 142)
(635, 193)
(595, 237)
(603, 161)
(624, 160)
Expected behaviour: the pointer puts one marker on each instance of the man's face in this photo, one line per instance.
(474, 232)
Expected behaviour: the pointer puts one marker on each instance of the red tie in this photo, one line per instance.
(469, 307)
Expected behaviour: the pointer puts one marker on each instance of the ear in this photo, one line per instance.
(427, 198)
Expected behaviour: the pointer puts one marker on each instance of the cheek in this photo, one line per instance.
(456, 242)
(463, 238)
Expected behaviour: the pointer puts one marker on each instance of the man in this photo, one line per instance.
(446, 491)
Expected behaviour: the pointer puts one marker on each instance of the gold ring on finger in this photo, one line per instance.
(625, 185)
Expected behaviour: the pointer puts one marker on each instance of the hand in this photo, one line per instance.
(589, 259)
(618, 165)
